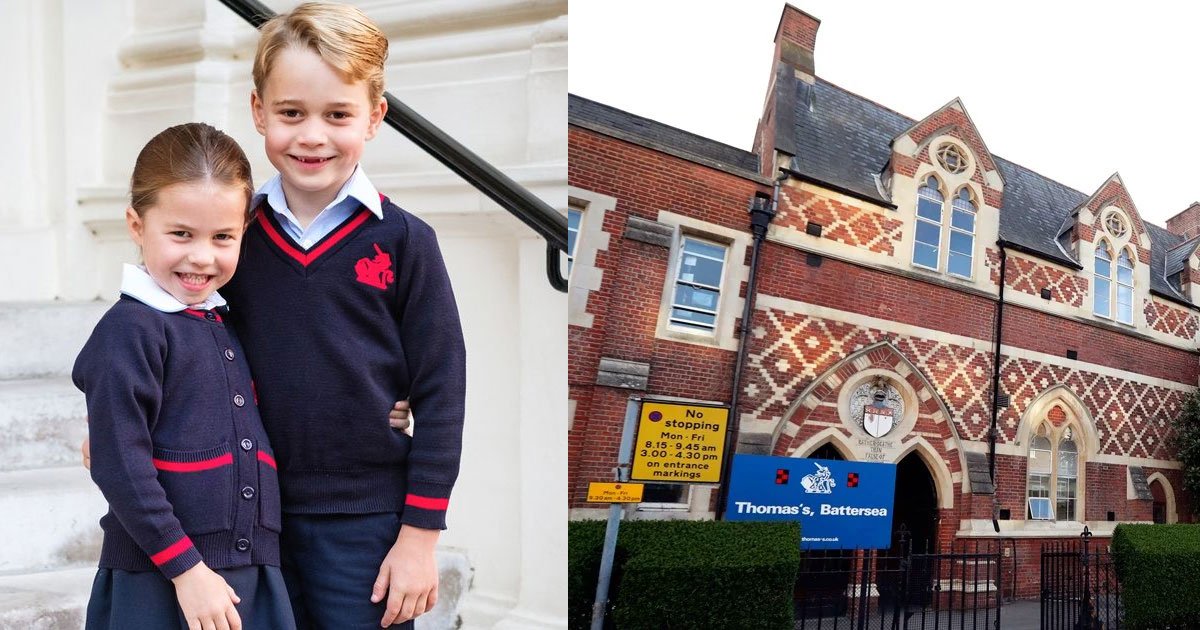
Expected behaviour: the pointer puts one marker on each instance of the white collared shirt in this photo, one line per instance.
(137, 284)
(358, 190)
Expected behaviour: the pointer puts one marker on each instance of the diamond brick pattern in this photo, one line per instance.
(859, 227)
(1170, 320)
(793, 350)
(1029, 276)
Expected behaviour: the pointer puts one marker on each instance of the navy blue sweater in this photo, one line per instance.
(178, 448)
(335, 335)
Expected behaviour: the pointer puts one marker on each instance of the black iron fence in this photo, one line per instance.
(962, 587)
(1080, 590)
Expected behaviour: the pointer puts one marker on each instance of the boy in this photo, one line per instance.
(345, 306)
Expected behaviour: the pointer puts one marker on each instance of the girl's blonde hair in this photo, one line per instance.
(191, 152)
(339, 34)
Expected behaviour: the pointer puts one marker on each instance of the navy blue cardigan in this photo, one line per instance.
(178, 448)
(337, 333)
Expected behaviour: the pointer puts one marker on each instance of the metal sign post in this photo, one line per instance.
(614, 515)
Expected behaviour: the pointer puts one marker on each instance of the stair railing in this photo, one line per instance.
(510, 195)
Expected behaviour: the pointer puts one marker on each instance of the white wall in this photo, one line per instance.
(91, 81)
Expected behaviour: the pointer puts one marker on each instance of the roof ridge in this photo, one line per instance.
(659, 122)
(914, 120)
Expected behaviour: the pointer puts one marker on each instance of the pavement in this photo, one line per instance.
(1020, 615)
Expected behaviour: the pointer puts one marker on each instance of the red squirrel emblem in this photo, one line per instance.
(375, 272)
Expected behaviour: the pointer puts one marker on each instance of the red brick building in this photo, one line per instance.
(899, 252)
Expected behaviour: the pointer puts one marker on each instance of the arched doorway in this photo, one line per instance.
(1159, 514)
(821, 585)
(914, 512)
(916, 504)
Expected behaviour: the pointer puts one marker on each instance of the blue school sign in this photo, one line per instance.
(840, 505)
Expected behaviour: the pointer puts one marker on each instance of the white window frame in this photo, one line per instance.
(972, 209)
(918, 219)
(572, 246)
(676, 280)
(1103, 245)
(683, 505)
(1029, 498)
(1074, 494)
(1118, 285)
(946, 229)
(1057, 436)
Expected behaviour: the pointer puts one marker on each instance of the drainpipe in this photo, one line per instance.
(761, 214)
(992, 430)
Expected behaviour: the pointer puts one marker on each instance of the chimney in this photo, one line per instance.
(1186, 223)
(795, 41)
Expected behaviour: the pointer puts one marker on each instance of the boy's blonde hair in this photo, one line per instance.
(339, 34)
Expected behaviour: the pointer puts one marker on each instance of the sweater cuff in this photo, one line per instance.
(425, 505)
(176, 557)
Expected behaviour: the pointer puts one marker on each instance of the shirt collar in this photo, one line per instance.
(138, 284)
(358, 187)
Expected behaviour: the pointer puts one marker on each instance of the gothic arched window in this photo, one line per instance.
(927, 248)
(1052, 490)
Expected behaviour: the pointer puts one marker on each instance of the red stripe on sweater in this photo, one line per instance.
(267, 459)
(172, 552)
(207, 464)
(362, 217)
(426, 503)
(307, 258)
(281, 243)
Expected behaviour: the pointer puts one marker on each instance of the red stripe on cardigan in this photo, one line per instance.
(207, 464)
(200, 314)
(267, 459)
(172, 552)
(426, 503)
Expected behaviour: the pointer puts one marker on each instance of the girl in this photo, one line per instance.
(191, 539)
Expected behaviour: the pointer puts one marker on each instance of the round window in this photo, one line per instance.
(951, 158)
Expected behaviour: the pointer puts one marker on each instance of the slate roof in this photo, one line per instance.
(844, 140)
(590, 114)
(1177, 257)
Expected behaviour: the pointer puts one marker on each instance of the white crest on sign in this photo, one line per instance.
(820, 482)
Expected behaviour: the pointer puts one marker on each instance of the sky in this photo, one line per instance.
(1075, 91)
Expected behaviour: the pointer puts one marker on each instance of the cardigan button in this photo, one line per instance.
(229, 353)
(210, 316)
(242, 544)
(247, 493)
(239, 401)
(247, 444)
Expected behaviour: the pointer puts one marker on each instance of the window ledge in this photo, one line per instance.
(982, 528)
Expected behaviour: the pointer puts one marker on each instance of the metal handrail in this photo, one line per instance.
(510, 195)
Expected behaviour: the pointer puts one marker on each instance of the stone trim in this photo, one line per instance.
(623, 374)
(649, 232)
(1139, 488)
(586, 277)
(977, 473)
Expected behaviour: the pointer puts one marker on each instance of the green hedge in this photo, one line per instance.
(689, 574)
(1158, 567)
(585, 541)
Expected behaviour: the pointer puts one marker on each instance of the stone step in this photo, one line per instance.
(42, 338)
(50, 600)
(50, 519)
(57, 600)
(42, 422)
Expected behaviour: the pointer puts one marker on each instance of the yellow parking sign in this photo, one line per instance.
(679, 443)
(599, 492)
